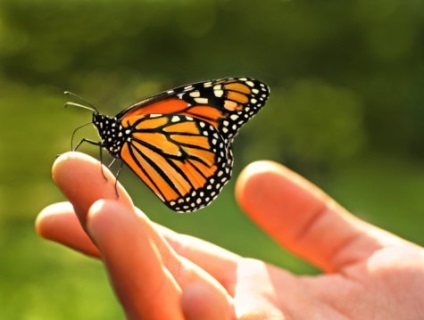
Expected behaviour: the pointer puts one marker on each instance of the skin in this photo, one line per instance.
(368, 273)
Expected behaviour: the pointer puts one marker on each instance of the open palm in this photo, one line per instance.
(160, 274)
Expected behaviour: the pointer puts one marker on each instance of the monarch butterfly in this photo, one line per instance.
(178, 142)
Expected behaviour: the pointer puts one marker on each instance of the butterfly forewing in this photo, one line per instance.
(227, 104)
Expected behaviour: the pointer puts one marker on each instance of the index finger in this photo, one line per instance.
(83, 180)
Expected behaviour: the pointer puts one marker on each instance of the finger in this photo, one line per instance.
(59, 223)
(218, 262)
(144, 269)
(301, 217)
(80, 179)
(133, 263)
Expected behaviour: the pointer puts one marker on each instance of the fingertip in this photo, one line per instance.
(71, 166)
(42, 220)
(250, 170)
(59, 223)
(256, 180)
(106, 215)
(66, 164)
(71, 156)
(102, 212)
(244, 177)
(48, 217)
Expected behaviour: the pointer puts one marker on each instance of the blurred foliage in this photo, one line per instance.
(346, 110)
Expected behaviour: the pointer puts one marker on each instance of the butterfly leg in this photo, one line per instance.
(118, 172)
(111, 163)
(96, 143)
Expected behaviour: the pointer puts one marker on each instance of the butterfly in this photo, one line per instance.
(178, 142)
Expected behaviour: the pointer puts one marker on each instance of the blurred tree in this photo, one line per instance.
(106, 52)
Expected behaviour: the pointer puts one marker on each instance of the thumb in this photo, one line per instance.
(301, 217)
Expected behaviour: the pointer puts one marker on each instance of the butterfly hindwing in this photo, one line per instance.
(183, 160)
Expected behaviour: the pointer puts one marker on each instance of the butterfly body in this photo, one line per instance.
(111, 132)
(179, 141)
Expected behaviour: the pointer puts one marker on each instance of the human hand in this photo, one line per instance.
(159, 274)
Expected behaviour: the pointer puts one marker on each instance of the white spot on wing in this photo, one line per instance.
(219, 93)
(194, 94)
(201, 100)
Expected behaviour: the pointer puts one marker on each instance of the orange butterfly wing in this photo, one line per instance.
(183, 160)
(179, 142)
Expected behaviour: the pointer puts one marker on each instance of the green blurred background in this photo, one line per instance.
(346, 111)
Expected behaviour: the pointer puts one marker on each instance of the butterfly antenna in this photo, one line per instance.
(87, 105)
